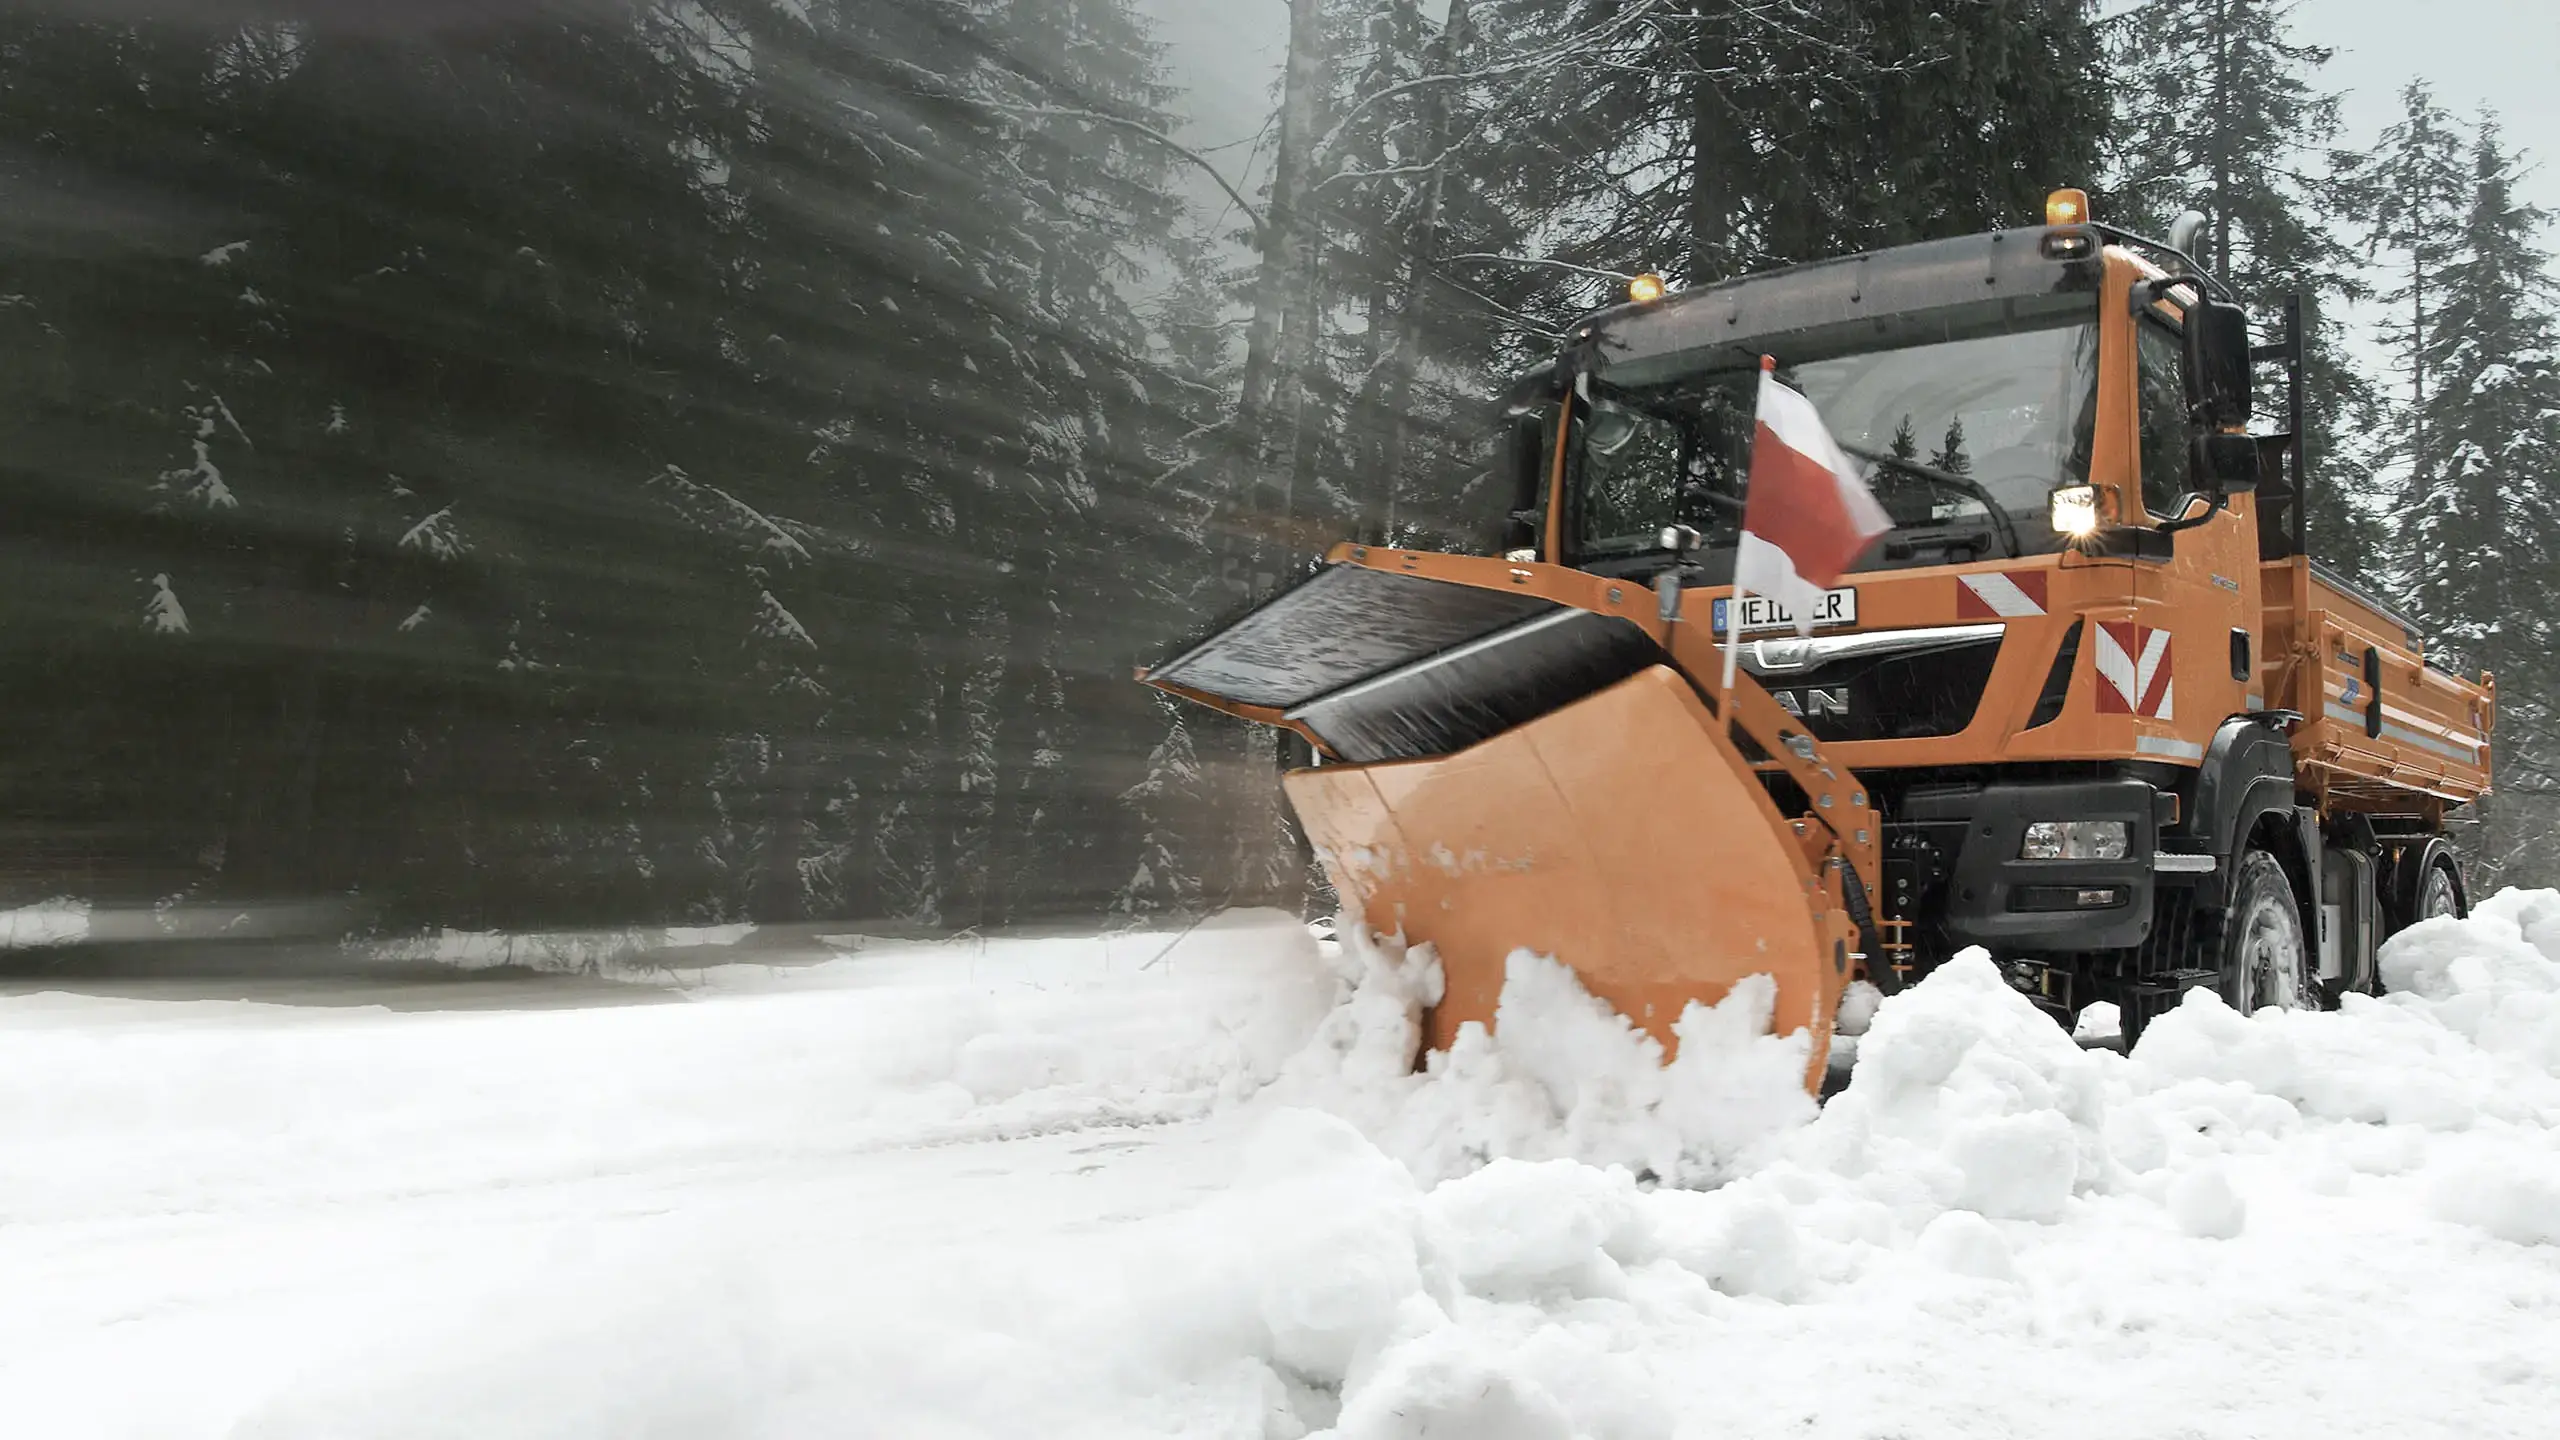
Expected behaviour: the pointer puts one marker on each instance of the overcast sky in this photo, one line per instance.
(2502, 53)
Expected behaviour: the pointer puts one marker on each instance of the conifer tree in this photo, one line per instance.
(2483, 515)
(2219, 111)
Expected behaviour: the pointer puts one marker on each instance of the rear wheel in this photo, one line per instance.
(2438, 893)
(2262, 957)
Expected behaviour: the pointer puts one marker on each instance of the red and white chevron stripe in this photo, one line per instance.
(2134, 671)
(2000, 596)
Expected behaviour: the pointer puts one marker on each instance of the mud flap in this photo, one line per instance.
(1622, 834)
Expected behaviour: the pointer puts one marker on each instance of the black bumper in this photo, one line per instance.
(1952, 858)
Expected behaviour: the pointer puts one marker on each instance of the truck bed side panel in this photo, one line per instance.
(2410, 745)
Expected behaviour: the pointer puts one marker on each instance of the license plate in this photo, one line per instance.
(1759, 612)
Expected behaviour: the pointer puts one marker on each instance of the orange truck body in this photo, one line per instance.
(1608, 803)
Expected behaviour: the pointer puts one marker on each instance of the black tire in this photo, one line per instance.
(2439, 892)
(2422, 885)
(2259, 945)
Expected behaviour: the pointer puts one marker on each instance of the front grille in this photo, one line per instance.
(1912, 694)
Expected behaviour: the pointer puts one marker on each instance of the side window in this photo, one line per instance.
(2165, 433)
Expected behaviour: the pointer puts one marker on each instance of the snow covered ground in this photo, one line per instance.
(1101, 1188)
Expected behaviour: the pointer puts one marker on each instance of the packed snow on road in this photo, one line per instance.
(1103, 1187)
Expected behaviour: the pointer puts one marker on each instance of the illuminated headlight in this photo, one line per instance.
(2074, 840)
(2075, 511)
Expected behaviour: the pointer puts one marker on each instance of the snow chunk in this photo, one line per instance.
(1741, 1239)
(1518, 1228)
(1966, 1096)
(1858, 1006)
(2204, 1204)
(1962, 1242)
(1341, 1259)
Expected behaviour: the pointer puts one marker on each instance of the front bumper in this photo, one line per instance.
(1952, 861)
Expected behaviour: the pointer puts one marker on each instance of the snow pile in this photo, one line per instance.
(1534, 1254)
(1053, 1188)
(1965, 1097)
(1561, 1075)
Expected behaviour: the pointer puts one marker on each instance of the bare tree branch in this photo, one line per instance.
(1524, 260)
(1146, 132)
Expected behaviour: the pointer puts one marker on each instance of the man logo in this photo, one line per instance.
(1813, 704)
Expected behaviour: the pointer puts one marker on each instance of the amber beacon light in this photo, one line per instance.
(2066, 207)
(1646, 288)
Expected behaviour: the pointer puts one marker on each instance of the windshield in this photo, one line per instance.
(2001, 405)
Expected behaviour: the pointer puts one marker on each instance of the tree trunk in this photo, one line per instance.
(784, 899)
(1711, 219)
(2220, 121)
(1446, 56)
(951, 766)
(1275, 350)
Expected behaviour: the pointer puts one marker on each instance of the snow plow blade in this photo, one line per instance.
(1516, 758)
(1623, 835)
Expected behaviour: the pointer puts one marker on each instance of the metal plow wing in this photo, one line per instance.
(1623, 835)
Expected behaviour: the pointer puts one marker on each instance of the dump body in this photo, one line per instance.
(2383, 731)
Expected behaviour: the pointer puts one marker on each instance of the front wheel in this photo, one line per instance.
(2263, 960)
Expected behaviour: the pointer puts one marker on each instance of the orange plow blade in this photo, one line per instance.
(1623, 834)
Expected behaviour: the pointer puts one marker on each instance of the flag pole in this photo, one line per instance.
(1733, 606)
(1732, 648)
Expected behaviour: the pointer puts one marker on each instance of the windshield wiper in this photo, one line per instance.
(1964, 485)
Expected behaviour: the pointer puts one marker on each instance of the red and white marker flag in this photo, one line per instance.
(1808, 518)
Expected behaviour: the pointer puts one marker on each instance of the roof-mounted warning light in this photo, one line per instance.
(1646, 288)
(2067, 211)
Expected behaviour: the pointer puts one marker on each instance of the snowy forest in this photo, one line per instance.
(723, 459)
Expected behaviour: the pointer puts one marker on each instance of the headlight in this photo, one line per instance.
(2074, 840)
(2075, 511)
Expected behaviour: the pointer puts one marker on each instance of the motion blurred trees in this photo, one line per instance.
(722, 460)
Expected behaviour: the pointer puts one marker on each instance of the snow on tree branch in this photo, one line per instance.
(774, 622)
(759, 529)
(202, 481)
(437, 535)
(163, 615)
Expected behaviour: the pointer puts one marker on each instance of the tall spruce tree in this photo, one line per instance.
(2218, 110)
(2483, 517)
(2414, 191)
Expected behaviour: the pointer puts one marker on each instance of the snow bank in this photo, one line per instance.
(1581, 1201)
(1067, 1187)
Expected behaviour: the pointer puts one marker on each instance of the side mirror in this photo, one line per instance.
(2220, 390)
(2224, 463)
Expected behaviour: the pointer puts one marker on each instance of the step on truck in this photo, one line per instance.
(2090, 704)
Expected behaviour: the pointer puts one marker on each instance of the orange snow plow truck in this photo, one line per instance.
(2088, 704)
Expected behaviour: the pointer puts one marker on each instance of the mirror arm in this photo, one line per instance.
(2189, 522)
